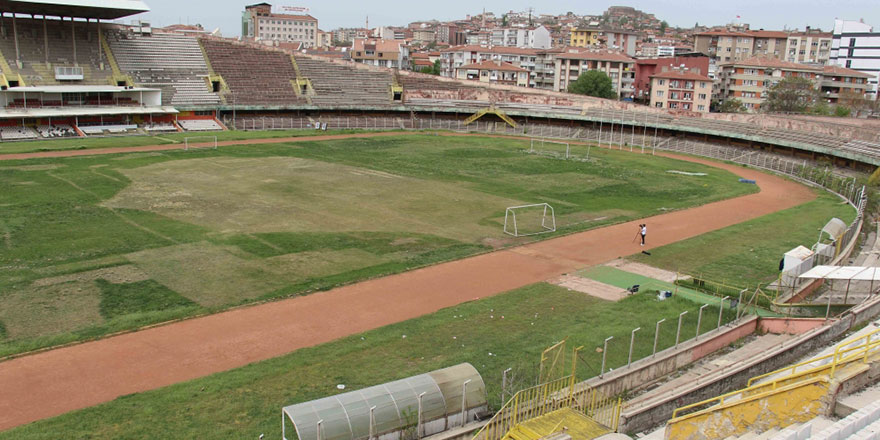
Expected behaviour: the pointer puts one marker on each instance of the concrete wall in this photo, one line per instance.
(791, 326)
(668, 361)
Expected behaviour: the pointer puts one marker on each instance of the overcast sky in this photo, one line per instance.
(331, 14)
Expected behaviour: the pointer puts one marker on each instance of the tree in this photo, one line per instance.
(853, 100)
(593, 83)
(791, 95)
(431, 70)
(731, 105)
(663, 26)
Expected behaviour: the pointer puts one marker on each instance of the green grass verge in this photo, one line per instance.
(748, 253)
(241, 224)
(144, 296)
(245, 402)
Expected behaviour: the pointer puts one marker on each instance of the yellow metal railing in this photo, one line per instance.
(548, 397)
(844, 354)
(479, 114)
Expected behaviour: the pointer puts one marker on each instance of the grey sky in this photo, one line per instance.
(767, 14)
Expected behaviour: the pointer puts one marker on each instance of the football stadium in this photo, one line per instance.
(211, 238)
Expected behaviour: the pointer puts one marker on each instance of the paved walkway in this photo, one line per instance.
(57, 381)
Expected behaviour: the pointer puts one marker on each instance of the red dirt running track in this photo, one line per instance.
(57, 381)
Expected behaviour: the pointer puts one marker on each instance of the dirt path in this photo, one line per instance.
(57, 381)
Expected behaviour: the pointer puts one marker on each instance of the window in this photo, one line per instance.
(662, 82)
(658, 105)
(702, 96)
(701, 108)
(702, 84)
(660, 93)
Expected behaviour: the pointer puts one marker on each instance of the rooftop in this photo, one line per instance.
(678, 74)
(773, 63)
(492, 65)
(843, 71)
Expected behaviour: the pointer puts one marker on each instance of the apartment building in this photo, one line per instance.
(647, 67)
(856, 46)
(836, 79)
(750, 80)
(769, 43)
(458, 56)
(681, 89)
(811, 46)
(572, 63)
(494, 72)
(584, 37)
(724, 45)
(259, 23)
(624, 41)
(532, 38)
(381, 52)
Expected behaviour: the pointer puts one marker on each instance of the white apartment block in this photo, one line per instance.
(856, 46)
(536, 38)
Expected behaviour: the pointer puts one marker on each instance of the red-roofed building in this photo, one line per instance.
(259, 23)
(749, 80)
(382, 53)
(646, 67)
(570, 64)
(494, 72)
(681, 89)
(836, 79)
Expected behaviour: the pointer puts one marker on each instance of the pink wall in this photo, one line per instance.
(792, 326)
(710, 345)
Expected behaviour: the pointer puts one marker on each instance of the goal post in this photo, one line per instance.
(548, 146)
(202, 142)
(534, 219)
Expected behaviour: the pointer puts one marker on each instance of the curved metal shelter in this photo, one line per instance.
(425, 404)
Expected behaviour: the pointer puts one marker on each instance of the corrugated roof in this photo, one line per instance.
(102, 9)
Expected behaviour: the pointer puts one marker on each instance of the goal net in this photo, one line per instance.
(194, 142)
(533, 219)
(550, 148)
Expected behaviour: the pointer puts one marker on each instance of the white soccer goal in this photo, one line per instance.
(539, 218)
(193, 142)
(546, 146)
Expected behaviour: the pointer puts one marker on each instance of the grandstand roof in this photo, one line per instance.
(101, 9)
(78, 89)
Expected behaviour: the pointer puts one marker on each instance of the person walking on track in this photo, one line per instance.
(643, 231)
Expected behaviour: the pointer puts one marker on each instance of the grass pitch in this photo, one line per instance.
(93, 245)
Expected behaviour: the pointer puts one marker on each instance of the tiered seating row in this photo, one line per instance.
(32, 50)
(340, 85)
(171, 62)
(199, 125)
(17, 133)
(255, 76)
(55, 131)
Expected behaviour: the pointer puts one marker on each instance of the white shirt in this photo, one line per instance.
(644, 230)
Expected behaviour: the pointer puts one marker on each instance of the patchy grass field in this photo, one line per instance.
(751, 250)
(159, 139)
(93, 245)
(505, 331)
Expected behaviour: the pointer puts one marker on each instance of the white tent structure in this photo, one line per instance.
(863, 277)
(425, 404)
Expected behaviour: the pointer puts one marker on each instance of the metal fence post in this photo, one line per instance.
(657, 336)
(699, 319)
(419, 423)
(632, 340)
(604, 352)
(319, 432)
(372, 422)
(464, 401)
(678, 331)
(721, 310)
(503, 385)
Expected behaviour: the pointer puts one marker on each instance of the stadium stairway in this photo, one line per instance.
(564, 421)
